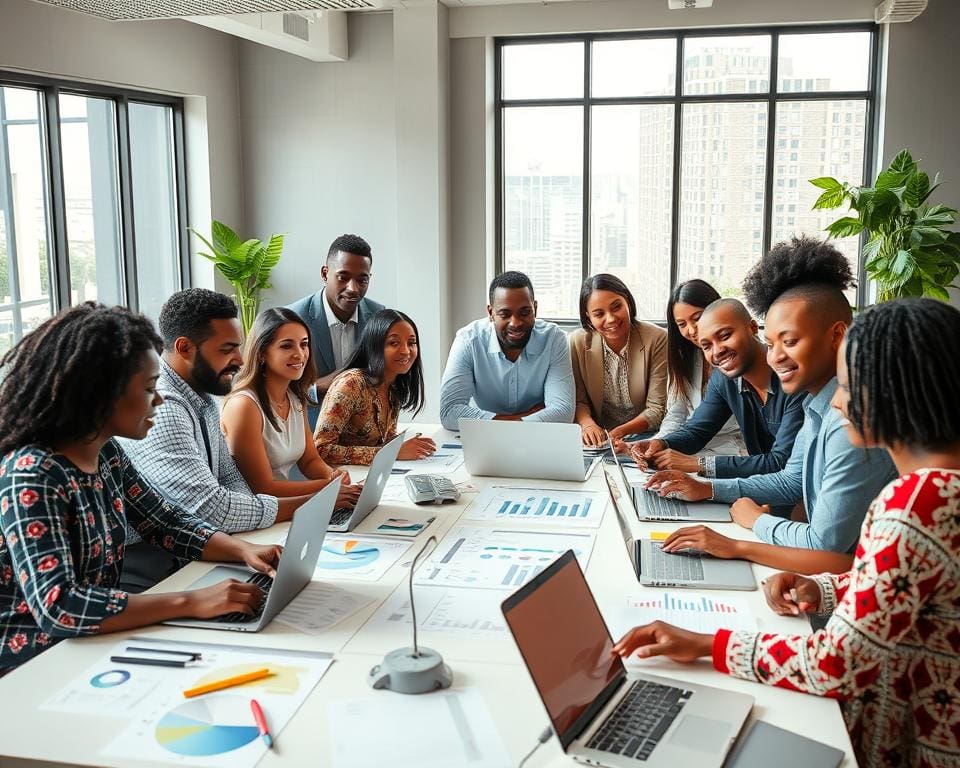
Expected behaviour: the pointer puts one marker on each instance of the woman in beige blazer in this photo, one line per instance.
(619, 364)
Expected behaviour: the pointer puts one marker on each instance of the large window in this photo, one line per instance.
(665, 156)
(92, 200)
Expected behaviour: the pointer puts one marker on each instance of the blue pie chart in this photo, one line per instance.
(110, 678)
(211, 726)
(347, 555)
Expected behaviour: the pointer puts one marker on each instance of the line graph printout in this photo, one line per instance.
(490, 558)
(466, 612)
(696, 611)
(506, 504)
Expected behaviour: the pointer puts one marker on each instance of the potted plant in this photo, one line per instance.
(246, 264)
(911, 250)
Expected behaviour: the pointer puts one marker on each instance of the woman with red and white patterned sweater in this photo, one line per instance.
(890, 651)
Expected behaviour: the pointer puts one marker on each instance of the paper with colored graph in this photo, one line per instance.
(489, 558)
(697, 611)
(470, 613)
(524, 506)
(319, 606)
(355, 558)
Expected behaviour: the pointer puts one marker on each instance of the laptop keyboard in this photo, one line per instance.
(667, 567)
(264, 582)
(641, 718)
(340, 517)
(655, 505)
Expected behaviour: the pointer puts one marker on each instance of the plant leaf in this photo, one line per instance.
(826, 182)
(935, 291)
(917, 188)
(902, 162)
(903, 265)
(832, 198)
(225, 240)
(890, 179)
(845, 227)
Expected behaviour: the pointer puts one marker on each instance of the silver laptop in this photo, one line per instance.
(294, 571)
(346, 519)
(656, 568)
(535, 450)
(602, 714)
(650, 505)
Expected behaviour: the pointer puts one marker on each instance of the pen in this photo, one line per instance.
(150, 662)
(192, 655)
(227, 682)
(261, 722)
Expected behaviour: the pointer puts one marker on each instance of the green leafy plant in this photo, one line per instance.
(911, 251)
(245, 263)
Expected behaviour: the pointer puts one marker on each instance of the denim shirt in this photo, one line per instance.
(769, 429)
(836, 481)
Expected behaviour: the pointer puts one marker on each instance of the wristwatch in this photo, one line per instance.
(702, 466)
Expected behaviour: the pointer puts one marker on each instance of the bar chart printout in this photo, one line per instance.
(505, 504)
(696, 611)
(488, 558)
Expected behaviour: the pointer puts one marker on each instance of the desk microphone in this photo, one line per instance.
(413, 669)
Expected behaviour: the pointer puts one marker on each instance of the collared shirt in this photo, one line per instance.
(617, 405)
(768, 428)
(343, 335)
(480, 382)
(836, 481)
(195, 473)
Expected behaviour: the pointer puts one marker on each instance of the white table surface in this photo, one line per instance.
(29, 737)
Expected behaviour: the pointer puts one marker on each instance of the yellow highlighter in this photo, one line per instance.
(227, 682)
(659, 535)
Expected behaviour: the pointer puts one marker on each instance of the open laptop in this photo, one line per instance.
(602, 714)
(656, 568)
(536, 450)
(294, 571)
(346, 519)
(651, 506)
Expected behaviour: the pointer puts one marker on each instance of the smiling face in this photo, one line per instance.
(134, 410)
(801, 346)
(217, 360)
(399, 350)
(513, 314)
(728, 340)
(346, 277)
(609, 315)
(288, 353)
(687, 318)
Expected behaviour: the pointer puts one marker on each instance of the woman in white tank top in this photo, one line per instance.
(264, 419)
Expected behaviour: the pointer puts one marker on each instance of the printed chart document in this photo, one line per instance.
(470, 613)
(490, 558)
(444, 729)
(509, 504)
(356, 558)
(319, 606)
(696, 611)
(448, 458)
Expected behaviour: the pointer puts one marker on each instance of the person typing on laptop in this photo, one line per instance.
(889, 651)
(68, 492)
(508, 365)
(799, 286)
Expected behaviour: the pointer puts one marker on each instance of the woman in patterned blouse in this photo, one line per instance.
(890, 651)
(384, 376)
(68, 491)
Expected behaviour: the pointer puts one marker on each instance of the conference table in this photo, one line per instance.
(489, 664)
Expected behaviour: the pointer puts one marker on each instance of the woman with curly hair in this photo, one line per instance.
(890, 650)
(68, 491)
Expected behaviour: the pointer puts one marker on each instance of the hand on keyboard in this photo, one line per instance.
(680, 484)
(230, 596)
(705, 540)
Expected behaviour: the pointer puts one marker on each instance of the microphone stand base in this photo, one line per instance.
(403, 672)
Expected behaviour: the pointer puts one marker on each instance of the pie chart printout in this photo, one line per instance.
(209, 726)
(347, 555)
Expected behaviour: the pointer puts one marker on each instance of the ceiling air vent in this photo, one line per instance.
(167, 9)
(297, 26)
(893, 11)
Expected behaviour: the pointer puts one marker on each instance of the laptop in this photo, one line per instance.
(346, 519)
(656, 568)
(294, 571)
(649, 505)
(535, 450)
(602, 714)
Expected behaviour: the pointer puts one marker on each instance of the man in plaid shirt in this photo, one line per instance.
(184, 455)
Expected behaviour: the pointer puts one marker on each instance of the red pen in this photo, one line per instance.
(261, 722)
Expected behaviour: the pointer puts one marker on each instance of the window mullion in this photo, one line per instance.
(58, 206)
(586, 228)
(126, 205)
(767, 234)
(180, 179)
(6, 203)
(677, 146)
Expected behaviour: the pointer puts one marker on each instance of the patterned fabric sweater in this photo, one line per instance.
(891, 649)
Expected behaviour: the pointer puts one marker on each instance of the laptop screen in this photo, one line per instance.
(565, 644)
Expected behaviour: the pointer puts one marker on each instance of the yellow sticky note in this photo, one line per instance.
(659, 535)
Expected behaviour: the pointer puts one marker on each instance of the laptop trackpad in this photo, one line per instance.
(702, 734)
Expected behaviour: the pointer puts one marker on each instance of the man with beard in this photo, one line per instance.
(184, 456)
(509, 365)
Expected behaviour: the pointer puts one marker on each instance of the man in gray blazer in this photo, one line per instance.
(337, 314)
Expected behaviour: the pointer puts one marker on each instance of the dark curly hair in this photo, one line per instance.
(350, 244)
(61, 382)
(904, 380)
(188, 313)
(801, 268)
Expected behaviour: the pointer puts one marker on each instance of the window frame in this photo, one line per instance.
(58, 256)
(770, 98)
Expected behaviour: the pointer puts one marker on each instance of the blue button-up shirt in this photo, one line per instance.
(769, 428)
(836, 481)
(480, 382)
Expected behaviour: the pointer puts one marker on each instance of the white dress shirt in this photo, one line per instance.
(343, 335)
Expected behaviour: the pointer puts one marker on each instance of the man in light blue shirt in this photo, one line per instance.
(509, 365)
(799, 286)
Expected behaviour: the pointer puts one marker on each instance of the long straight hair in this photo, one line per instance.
(681, 353)
(252, 376)
(604, 282)
(406, 392)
